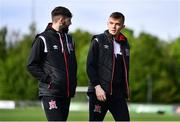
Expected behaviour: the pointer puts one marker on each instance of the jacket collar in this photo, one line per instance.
(120, 38)
(49, 27)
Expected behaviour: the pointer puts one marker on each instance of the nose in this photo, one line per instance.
(113, 26)
(70, 22)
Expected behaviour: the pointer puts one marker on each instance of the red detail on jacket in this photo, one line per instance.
(120, 37)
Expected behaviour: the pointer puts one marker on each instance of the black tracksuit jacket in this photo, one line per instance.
(54, 63)
(101, 63)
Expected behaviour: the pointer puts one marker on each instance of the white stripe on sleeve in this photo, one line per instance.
(45, 46)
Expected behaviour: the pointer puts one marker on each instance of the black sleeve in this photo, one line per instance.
(92, 63)
(35, 61)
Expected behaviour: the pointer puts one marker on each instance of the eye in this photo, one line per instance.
(111, 23)
(118, 24)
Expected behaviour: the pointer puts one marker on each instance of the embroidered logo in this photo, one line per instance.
(52, 105)
(70, 45)
(127, 52)
(106, 46)
(55, 47)
(97, 108)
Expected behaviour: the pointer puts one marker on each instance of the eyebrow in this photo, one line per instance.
(114, 22)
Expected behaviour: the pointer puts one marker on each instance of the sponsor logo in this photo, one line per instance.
(70, 45)
(127, 52)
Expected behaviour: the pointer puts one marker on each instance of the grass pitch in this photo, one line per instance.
(37, 114)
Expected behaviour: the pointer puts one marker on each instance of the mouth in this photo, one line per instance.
(113, 31)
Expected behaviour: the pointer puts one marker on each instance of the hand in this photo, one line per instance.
(100, 94)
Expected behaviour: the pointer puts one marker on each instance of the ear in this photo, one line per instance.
(61, 20)
(123, 26)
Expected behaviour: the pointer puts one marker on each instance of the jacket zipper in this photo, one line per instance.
(126, 79)
(49, 85)
(66, 64)
(113, 64)
(67, 73)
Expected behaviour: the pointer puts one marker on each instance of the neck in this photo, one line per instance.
(116, 36)
(55, 26)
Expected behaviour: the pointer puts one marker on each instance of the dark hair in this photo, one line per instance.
(61, 11)
(118, 15)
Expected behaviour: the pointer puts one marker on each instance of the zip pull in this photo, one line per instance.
(49, 85)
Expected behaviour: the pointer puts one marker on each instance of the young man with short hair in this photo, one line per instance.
(108, 71)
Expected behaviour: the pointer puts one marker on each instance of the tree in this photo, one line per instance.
(146, 59)
(152, 61)
(3, 33)
(15, 81)
(174, 68)
(82, 40)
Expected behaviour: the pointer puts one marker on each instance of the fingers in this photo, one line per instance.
(101, 97)
(100, 94)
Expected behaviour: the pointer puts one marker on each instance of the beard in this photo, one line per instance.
(64, 29)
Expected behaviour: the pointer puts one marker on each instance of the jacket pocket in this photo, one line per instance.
(45, 79)
(57, 89)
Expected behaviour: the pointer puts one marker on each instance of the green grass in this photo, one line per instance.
(37, 114)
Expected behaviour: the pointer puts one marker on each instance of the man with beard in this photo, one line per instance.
(52, 62)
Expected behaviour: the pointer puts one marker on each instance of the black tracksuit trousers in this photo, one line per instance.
(56, 109)
(117, 107)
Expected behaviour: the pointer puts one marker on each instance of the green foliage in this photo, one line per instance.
(15, 82)
(3, 33)
(152, 61)
(82, 41)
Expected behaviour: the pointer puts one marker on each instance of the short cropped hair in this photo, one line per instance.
(118, 15)
(61, 11)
